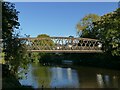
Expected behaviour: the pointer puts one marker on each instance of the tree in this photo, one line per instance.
(43, 36)
(45, 41)
(14, 49)
(84, 27)
(108, 31)
(105, 28)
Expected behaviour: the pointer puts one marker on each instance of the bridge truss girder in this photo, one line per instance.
(62, 45)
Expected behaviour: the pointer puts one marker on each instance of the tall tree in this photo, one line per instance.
(108, 31)
(84, 27)
(13, 48)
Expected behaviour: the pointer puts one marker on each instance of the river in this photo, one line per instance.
(70, 77)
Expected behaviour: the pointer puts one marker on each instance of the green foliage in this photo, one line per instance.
(84, 27)
(35, 57)
(2, 58)
(43, 36)
(9, 22)
(14, 50)
(45, 41)
(107, 29)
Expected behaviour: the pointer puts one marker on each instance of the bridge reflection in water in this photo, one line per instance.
(79, 77)
(62, 45)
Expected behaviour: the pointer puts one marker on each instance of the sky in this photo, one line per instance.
(62, 0)
(57, 18)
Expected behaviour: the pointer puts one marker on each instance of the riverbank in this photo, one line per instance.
(91, 60)
(10, 82)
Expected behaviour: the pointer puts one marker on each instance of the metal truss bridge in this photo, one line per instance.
(62, 45)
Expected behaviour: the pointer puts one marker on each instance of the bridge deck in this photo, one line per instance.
(67, 51)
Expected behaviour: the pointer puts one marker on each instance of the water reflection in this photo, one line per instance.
(116, 81)
(77, 77)
(62, 78)
(69, 72)
(100, 80)
(107, 80)
(30, 79)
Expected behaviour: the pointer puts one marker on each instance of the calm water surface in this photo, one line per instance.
(77, 77)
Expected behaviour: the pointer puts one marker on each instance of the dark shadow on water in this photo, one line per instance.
(91, 60)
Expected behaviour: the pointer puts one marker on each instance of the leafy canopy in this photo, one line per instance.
(107, 29)
(86, 24)
(15, 50)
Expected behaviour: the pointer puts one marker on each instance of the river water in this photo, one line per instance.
(70, 77)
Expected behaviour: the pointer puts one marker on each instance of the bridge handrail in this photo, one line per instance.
(34, 38)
